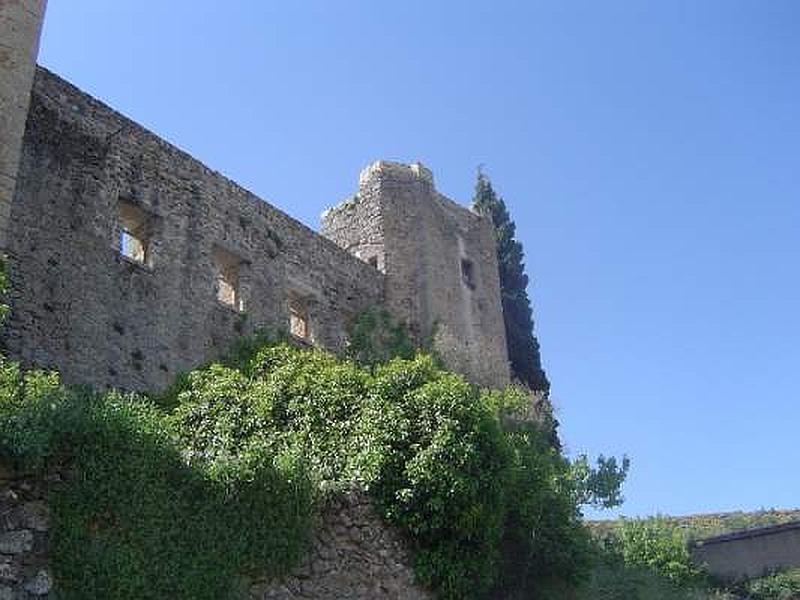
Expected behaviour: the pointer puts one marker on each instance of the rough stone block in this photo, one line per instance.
(16, 542)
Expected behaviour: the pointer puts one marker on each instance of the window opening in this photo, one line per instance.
(468, 273)
(134, 238)
(298, 319)
(227, 266)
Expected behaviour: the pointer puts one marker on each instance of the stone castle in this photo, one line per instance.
(130, 261)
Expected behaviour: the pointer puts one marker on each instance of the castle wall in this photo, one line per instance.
(109, 320)
(440, 263)
(20, 26)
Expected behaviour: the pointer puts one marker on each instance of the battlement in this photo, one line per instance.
(384, 170)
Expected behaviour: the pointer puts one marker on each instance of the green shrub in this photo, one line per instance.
(376, 338)
(182, 498)
(135, 520)
(428, 446)
(778, 586)
(656, 544)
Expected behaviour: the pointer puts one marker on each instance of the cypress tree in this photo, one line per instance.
(523, 347)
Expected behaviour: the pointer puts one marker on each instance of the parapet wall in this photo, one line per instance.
(440, 262)
(81, 306)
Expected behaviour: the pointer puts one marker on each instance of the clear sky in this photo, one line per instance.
(648, 151)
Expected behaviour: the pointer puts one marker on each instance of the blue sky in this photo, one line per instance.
(648, 151)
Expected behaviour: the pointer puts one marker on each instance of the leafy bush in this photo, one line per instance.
(376, 338)
(614, 580)
(181, 499)
(778, 586)
(429, 447)
(600, 486)
(134, 520)
(655, 544)
(544, 539)
(648, 558)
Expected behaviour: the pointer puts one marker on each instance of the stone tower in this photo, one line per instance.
(440, 263)
(20, 28)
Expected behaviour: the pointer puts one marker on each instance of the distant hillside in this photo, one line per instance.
(706, 525)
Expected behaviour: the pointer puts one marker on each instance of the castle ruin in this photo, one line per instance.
(130, 261)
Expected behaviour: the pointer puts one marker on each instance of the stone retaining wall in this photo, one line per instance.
(353, 555)
(24, 536)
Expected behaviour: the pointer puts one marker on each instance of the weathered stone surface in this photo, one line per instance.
(440, 263)
(24, 539)
(9, 571)
(99, 317)
(40, 585)
(20, 26)
(16, 542)
(35, 515)
(80, 306)
(750, 553)
(354, 554)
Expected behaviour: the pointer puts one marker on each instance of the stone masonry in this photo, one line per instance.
(24, 534)
(81, 306)
(353, 554)
(440, 264)
(130, 261)
(20, 25)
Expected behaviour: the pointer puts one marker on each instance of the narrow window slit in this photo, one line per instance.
(468, 273)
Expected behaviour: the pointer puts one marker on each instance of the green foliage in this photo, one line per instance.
(612, 579)
(653, 543)
(778, 586)
(134, 520)
(523, 347)
(600, 486)
(648, 558)
(376, 338)
(443, 472)
(182, 501)
(429, 447)
(544, 535)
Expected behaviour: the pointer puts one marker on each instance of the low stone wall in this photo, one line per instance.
(24, 539)
(353, 555)
(750, 553)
